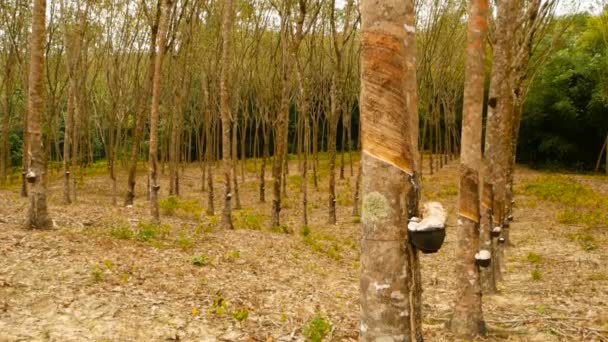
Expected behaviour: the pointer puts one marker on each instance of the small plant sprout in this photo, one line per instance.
(220, 306)
(97, 274)
(240, 314)
(200, 260)
(317, 328)
(534, 258)
(537, 274)
(233, 255)
(483, 258)
(305, 231)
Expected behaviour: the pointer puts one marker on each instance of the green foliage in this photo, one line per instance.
(247, 219)
(220, 306)
(305, 230)
(122, 232)
(317, 328)
(537, 274)
(233, 255)
(561, 189)
(585, 240)
(200, 260)
(240, 314)
(582, 206)
(294, 182)
(564, 119)
(185, 243)
(187, 207)
(542, 309)
(168, 206)
(152, 231)
(281, 229)
(534, 258)
(96, 274)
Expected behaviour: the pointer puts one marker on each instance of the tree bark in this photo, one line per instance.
(154, 115)
(499, 107)
(467, 320)
(389, 291)
(38, 216)
(140, 120)
(282, 121)
(226, 221)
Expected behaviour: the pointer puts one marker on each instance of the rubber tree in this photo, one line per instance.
(498, 122)
(38, 216)
(390, 291)
(467, 320)
(154, 109)
(282, 120)
(226, 221)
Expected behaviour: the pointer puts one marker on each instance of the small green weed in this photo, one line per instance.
(169, 205)
(233, 255)
(305, 230)
(240, 314)
(585, 240)
(121, 233)
(97, 274)
(200, 260)
(172, 205)
(247, 219)
(282, 229)
(541, 309)
(537, 274)
(534, 258)
(185, 243)
(220, 306)
(317, 328)
(151, 231)
(109, 264)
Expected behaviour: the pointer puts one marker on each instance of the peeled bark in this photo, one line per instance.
(467, 320)
(38, 216)
(389, 290)
(499, 110)
(154, 115)
(226, 221)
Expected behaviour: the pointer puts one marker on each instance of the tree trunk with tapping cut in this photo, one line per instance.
(467, 320)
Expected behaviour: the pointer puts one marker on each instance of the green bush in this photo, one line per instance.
(169, 205)
(151, 231)
(317, 328)
(247, 219)
(121, 232)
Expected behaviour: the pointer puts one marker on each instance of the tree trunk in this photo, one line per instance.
(154, 115)
(389, 291)
(499, 111)
(38, 216)
(140, 119)
(226, 221)
(467, 320)
(282, 121)
(235, 158)
(5, 148)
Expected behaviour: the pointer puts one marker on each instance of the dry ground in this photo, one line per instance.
(104, 275)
